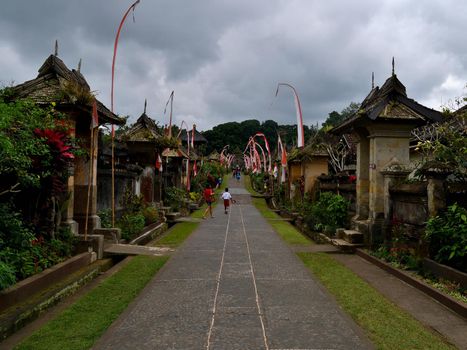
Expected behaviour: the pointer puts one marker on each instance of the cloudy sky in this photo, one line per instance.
(225, 58)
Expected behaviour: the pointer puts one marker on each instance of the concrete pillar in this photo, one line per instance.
(362, 187)
(67, 218)
(81, 180)
(387, 141)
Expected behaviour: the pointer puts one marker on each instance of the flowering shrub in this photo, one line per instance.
(57, 141)
(328, 213)
(35, 153)
(447, 237)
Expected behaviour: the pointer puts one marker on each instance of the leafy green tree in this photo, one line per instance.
(444, 145)
(20, 149)
(334, 118)
(35, 152)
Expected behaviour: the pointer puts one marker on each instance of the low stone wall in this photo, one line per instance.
(408, 207)
(445, 272)
(21, 291)
(149, 233)
(18, 315)
(409, 203)
(448, 301)
(123, 179)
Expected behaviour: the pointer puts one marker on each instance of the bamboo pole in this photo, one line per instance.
(113, 179)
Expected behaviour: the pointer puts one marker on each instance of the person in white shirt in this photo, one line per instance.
(227, 197)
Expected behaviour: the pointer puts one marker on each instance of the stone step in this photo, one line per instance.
(165, 210)
(171, 217)
(353, 236)
(345, 246)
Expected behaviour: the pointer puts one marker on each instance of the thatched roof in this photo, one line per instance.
(214, 155)
(389, 103)
(68, 88)
(199, 138)
(144, 130)
(306, 153)
(174, 153)
(192, 154)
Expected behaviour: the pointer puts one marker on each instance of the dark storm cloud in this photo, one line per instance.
(225, 58)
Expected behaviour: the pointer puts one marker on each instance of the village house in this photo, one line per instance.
(55, 83)
(382, 126)
(305, 166)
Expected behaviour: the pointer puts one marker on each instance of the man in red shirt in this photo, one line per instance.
(208, 195)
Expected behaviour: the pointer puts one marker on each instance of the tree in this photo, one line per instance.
(444, 145)
(334, 118)
(339, 150)
(35, 154)
(351, 109)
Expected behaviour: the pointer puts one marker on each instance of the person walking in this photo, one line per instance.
(227, 197)
(208, 195)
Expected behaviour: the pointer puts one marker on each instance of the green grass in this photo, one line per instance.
(247, 183)
(79, 326)
(287, 231)
(387, 325)
(177, 234)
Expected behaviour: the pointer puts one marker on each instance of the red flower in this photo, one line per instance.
(56, 140)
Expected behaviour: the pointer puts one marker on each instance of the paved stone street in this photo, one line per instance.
(234, 284)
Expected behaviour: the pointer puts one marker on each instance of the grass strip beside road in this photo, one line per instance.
(79, 326)
(177, 234)
(387, 325)
(287, 231)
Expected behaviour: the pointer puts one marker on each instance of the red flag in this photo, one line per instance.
(159, 162)
(95, 117)
(283, 152)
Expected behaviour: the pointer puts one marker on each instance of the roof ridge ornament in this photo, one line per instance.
(79, 66)
(393, 70)
(145, 105)
(56, 48)
(372, 80)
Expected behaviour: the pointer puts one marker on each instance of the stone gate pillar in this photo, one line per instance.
(362, 187)
(81, 180)
(68, 214)
(387, 141)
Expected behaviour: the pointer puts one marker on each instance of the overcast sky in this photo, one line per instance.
(225, 58)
